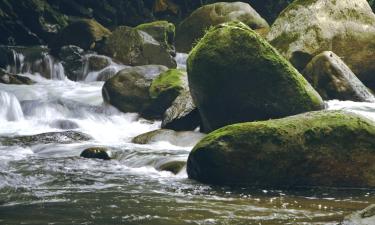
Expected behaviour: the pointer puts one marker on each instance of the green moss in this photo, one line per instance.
(162, 31)
(170, 80)
(326, 148)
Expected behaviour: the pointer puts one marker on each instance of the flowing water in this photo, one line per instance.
(48, 183)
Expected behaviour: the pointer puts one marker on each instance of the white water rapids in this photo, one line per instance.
(48, 183)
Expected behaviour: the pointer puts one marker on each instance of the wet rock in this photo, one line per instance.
(363, 217)
(194, 27)
(7, 78)
(97, 62)
(329, 75)
(305, 29)
(84, 33)
(184, 139)
(72, 59)
(161, 31)
(165, 88)
(96, 153)
(128, 90)
(172, 166)
(236, 76)
(183, 115)
(323, 148)
(64, 124)
(134, 47)
(65, 137)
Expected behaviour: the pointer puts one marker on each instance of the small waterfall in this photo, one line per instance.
(34, 61)
(99, 68)
(10, 107)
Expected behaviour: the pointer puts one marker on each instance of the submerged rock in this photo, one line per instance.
(194, 27)
(236, 76)
(172, 166)
(96, 153)
(84, 33)
(325, 148)
(329, 75)
(128, 90)
(8, 78)
(363, 217)
(134, 47)
(64, 124)
(185, 139)
(66, 137)
(307, 28)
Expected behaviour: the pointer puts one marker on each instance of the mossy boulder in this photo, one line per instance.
(305, 29)
(135, 47)
(184, 139)
(194, 27)
(84, 33)
(323, 148)
(162, 31)
(96, 153)
(236, 76)
(333, 79)
(129, 89)
(363, 217)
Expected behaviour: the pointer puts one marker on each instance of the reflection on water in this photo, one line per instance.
(50, 184)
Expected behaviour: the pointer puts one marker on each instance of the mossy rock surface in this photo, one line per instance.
(305, 29)
(8, 78)
(172, 166)
(324, 148)
(96, 153)
(236, 76)
(84, 33)
(333, 79)
(194, 27)
(135, 47)
(162, 31)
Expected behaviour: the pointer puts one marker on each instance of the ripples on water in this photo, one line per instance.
(51, 184)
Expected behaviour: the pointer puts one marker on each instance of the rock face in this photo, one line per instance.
(184, 139)
(128, 90)
(182, 115)
(134, 47)
(363, 217)
(83, 33)
(236, 76)
(72, 59)
(329, 75)
(96, 153)
(193, 28)
(307, 28)
(172, 166)
(326, 148)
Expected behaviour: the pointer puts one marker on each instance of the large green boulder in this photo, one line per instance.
(324, 148)
(84, 33)
(135, 47)
(236, 76)
(194, 27)
(333, 79)
(307, 28)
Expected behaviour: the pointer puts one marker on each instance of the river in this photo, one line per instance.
(48, 183)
